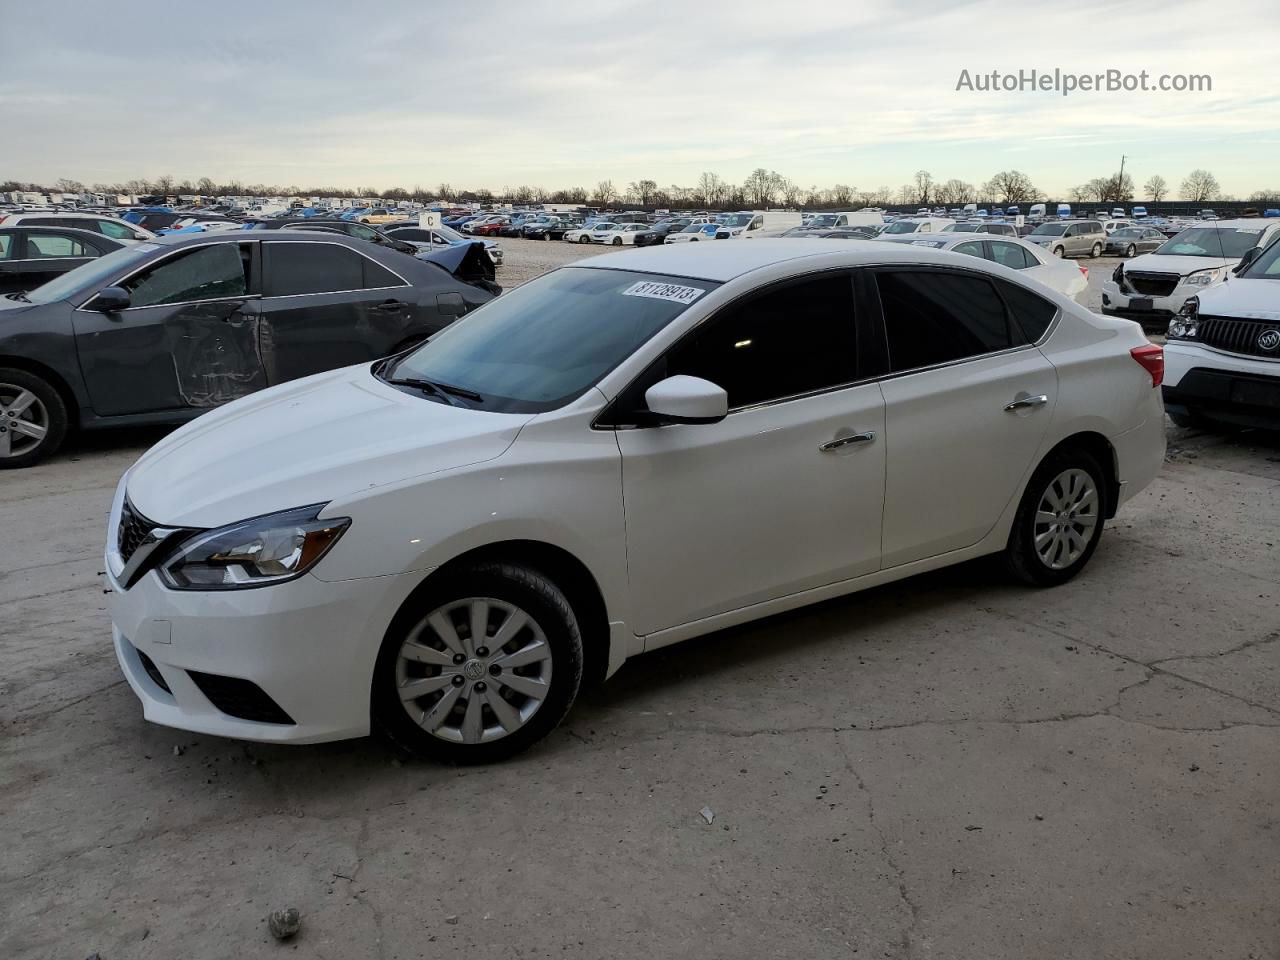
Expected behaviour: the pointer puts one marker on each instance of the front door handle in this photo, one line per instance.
(839, 442)
(1024, 403)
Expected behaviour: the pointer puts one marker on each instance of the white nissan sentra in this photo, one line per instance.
(616, 456)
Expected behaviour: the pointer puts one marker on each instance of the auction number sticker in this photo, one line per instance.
(146, 247)
(664, 291)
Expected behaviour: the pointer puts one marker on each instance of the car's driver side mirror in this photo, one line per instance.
(684, 399)
(1251, 255)
(110, 299)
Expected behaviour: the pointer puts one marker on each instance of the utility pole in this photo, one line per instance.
(1120, 182)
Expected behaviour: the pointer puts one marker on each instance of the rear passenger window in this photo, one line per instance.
(1031, 314)
(6, 246)
(933, 317)
(296, 268)
(1011, 255)
(796, 339)
(47, 246)
(973, 248)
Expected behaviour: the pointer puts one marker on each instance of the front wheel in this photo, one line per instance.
(1059, 252)
(486, 662)
(33, 418)
(1096, 251)
(584, 239)
(1059, 520)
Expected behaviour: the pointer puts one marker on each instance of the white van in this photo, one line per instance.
(1139, 212)
(834, 221)
(758, 223)
(916, 225)
(1036, 212)
(1064, 211)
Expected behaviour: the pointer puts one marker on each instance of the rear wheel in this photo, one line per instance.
(33, 418)
(481, 666)
(1131, 251)
(1096, 251)
(617, 241)
(1059, 520)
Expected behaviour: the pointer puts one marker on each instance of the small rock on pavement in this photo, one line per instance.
(284, 924)
(708, 814)
(452, 918)
(177, 750)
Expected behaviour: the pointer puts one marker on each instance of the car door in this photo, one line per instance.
(1150, 240)
(10, 241)
(967, 403)
(189, 337)
(784, 494)
(325, 306)
(46, 253)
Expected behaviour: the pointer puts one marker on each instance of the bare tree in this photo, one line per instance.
(642, 191)
(1199, 186)
(1014, 186)
(1156, 188)
(759, 187)
(924, 186)
(605, 193)
(710, 189)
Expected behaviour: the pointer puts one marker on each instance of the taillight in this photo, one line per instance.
(1085, 271)
(1151, 359)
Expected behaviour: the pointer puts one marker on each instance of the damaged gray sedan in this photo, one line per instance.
(161, 331)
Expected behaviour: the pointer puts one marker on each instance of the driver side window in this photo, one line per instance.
(205, 273)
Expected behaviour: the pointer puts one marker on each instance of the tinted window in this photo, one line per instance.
(205, 273)
(973, 248)
(6, 246)
(117, 231)
(793, 340)
(1031, 313)
(932, 317)
(376, 275)
(1012, 255)
(298, 268)
(41, 246)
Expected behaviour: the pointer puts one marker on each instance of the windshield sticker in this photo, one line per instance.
(146, 247)
(664, 291)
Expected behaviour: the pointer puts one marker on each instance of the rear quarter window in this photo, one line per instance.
(1031, 314)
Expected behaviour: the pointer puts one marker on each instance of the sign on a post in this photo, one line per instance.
(429, 219)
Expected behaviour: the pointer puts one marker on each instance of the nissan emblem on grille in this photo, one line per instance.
(1269, 340)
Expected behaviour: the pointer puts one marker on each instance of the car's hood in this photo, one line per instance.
(309, 441)
(1166, 263)
(1257, 299)
(11, 308)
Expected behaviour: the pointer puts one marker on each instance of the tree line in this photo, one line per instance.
(762, 188)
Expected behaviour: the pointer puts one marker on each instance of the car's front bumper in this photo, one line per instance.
(1223, 386)
(307, 647)
(1153, 313)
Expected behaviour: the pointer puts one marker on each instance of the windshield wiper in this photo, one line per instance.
(18, 296)
(444, 391)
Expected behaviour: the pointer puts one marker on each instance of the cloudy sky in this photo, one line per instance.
(563, 93)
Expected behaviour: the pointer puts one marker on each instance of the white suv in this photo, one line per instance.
(621, 454)
(1223, 350)
(119, 230)
(1152, 288)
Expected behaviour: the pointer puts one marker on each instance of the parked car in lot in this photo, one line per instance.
(1152, 288)
(435, 238)
(162, 331)
(999, 229)
(120, 230)
(602, 233)
(535, 495)
(1070, 238)
(692, 233)
(381, 215)
(916, 225)
(488, 227)
(1131, 241)
(31, 256)
(1224, 349)
(654, 235)
(1028, 258)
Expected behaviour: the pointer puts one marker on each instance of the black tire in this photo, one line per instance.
(1132, 251)
(584, 239)
(1020, 556)
(12, 383)
(1059, 252)
(1096, 252)
(617, 241)
(526, 589)
(1189, 420)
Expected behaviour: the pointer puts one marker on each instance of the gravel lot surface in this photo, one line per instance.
(947, 767)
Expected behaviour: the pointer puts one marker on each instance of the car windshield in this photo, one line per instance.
(1211, 242)
(1267, 266)
(824, 220)
(693, 228)
(544, 343)
(1049, 230)
(902, 226)
(90, 274)
(738, 220)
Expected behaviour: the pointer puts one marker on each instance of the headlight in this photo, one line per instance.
(1202, 278)
(1185, 325)
(253, 553)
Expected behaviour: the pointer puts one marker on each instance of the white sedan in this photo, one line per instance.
(616, 456)
(1066, 277)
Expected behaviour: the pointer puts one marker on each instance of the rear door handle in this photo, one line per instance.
(1024, 403)
(388, 306)
(839, 442)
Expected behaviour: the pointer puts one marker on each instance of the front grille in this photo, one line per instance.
(1152, 284)
(1236, 336)
(133, 532)
(153, 671)
(240, 698)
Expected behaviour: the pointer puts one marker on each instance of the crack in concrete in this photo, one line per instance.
(1247, 645)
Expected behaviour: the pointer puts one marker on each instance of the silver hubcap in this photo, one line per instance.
(24, 421)
(1065, 519)
(474, 670)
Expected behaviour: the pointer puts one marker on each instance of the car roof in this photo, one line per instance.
(1245, 223)
(45, 227)
(240, 236)
(724, 260)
